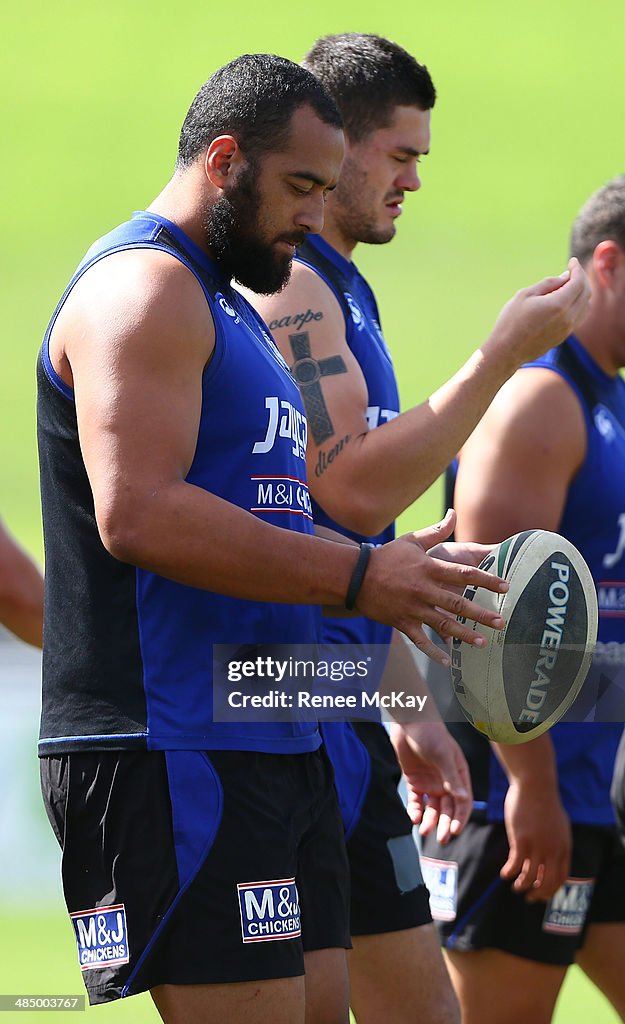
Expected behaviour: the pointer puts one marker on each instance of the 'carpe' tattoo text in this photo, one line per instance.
(296, 320)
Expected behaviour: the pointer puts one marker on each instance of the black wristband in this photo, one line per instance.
(358, 575)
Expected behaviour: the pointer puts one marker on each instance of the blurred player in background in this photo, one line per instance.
(366, 464)
(21, 591)
(189, 843)
(537, 880)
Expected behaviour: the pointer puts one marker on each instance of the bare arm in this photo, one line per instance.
(435, 769)
(21, 591)
(364, 478)
(537, 826)
(133, 340)
(516, 468)
(514, 474)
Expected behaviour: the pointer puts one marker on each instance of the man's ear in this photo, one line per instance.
(607, 259)
(220, 157)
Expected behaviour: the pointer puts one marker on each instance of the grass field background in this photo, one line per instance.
(49, 966)
(528, 122)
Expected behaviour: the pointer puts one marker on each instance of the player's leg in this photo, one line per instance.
(602, 960)
(323, 883)
(322, 997)
(401, 976)
(279, 1001)
(494, 987)
(327, 987)
(397, 973)
(601, 953)
(507, 958)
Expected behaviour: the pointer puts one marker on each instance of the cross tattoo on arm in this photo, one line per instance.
(308, 373)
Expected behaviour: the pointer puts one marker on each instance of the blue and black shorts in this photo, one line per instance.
(192, 867)
(388, 893)
(475, 909)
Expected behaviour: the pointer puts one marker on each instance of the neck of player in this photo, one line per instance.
(336, 236)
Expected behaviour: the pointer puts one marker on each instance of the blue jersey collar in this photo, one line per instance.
(323, 247)
(587, 360)
(183, 239)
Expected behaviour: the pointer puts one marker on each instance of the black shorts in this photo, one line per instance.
(475, 909)
(191, 867)
(387, 889)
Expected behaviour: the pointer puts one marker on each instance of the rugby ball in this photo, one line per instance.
(528, 674)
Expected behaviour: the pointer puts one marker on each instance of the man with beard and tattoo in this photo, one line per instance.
(366, 464)
(189, 843)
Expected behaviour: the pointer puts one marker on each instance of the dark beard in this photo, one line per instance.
(232, 226)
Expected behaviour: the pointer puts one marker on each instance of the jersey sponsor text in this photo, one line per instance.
(284, 421)
(269, 910)
(101, 936)
(566, 911)
(441, 879)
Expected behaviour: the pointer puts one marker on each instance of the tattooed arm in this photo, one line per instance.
(364, 478)
(309, 328)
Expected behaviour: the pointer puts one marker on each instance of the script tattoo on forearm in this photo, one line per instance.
(308, 373)
(328, 455)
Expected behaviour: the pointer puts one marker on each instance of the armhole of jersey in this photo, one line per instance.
(340, 298)
(584, 400)
(58, 382)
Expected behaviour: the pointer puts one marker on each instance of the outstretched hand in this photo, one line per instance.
(541, 316)
(437, 777)
(539, 837)
(406, 585)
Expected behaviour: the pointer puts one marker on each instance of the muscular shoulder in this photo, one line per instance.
(536, 406)
(130, 296)
(140, 278)
(516, 467)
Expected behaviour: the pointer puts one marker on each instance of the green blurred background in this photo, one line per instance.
(529, 121)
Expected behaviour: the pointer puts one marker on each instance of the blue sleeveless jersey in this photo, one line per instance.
(128, 653)
(365, 339)
(594, 520)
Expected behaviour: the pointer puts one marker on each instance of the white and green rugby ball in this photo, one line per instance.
(528, 674)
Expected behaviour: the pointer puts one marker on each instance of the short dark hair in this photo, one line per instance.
(601, 217)
(253, 98)
(368, 77)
